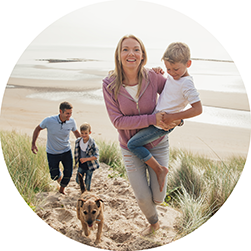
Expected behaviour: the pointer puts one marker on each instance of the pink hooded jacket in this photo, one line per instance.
(129, 116)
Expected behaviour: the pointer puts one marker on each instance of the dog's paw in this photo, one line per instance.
(97, 241)
(85, 233)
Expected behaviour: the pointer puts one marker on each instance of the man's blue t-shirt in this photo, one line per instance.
(58, 134)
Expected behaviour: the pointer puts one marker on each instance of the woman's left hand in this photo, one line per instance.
(158, 70)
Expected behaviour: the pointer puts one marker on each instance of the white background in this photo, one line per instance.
(22, 21)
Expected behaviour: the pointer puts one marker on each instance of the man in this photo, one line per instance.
(58, 146)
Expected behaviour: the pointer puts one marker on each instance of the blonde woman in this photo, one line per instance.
(130, 94)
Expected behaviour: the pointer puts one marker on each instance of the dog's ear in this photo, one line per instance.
(81, 202)
(98, 202)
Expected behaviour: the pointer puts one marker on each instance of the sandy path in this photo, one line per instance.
(123, 218)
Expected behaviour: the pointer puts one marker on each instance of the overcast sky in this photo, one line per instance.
(103, 24)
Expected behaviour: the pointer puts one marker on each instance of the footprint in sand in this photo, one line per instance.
(120, 237)
(64, 215)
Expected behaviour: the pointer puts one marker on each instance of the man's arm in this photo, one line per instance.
(36, 132)
(77, 134)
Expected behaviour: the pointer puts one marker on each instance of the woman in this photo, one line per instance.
(130, 93)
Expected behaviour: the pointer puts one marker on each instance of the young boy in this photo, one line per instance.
(179, 91)
(86, 155)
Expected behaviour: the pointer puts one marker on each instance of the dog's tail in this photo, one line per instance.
(81, 183)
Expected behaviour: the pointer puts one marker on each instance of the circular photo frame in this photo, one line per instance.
(68, 61)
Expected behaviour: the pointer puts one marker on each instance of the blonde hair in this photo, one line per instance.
(177, 53)
(118, 72)
(85, 127)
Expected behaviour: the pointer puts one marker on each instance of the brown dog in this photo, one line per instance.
(90, 210)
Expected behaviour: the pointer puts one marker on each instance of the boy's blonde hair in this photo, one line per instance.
(118, 72)
(177, 53)
(85, 127)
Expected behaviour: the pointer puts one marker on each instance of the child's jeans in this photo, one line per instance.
(143, 137)
(88, 177)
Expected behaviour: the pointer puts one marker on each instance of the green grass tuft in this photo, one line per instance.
(198, 186)
(28, 171)
(110, 154)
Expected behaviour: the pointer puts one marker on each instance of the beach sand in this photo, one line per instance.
(23, 114)
(123, 218)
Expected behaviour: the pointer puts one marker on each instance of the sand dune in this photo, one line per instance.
(123, 218)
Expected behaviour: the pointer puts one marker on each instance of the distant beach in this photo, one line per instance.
(43, 77)
(23, 114)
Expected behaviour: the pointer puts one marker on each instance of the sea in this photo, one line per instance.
(71, 62)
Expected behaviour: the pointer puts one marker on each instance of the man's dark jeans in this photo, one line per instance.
(66, 160)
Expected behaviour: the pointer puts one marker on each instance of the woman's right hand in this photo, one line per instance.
(160, 122)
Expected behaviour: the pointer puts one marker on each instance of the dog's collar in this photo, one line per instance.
(98, 220)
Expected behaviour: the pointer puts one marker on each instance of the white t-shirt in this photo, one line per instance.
(177, 94)
(83, 145)
(132, 90)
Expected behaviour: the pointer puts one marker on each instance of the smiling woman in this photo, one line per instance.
(129, 113)
(129, 47)
(131, 57)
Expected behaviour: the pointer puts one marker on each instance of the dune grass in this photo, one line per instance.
(197, 186)
(110, 154)
(28, 171)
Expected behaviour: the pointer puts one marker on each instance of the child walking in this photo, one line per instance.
(179, 91)
(86, 155)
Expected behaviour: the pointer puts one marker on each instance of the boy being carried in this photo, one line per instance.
(179, 91)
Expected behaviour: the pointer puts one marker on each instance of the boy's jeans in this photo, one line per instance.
(143, 137)
(88, 177)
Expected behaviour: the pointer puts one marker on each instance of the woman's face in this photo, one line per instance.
(131, 54)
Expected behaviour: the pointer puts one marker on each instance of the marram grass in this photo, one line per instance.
(197, 186)
(28, 171)
(110, 154)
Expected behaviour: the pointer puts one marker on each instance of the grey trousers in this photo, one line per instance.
(147, 193)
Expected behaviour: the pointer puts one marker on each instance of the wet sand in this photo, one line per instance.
(23, 114)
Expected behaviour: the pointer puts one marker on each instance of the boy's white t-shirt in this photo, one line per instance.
(177, 94)
(83, 146)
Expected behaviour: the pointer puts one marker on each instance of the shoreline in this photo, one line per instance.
(24, 114)
(235, 101)
(56, 85)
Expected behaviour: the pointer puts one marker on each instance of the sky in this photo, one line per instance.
(103, 24)
(228, 21)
